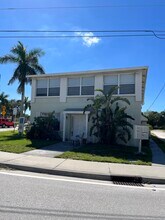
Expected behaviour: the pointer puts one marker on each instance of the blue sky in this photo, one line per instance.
(65, 54)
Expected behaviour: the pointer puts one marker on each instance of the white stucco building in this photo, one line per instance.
(67, 94)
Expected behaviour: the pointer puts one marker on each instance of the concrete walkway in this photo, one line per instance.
(158, 157)
(51, 151)
(83, 169)
(159, 133)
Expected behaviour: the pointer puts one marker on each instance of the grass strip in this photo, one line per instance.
(11, 141)
(110, 154)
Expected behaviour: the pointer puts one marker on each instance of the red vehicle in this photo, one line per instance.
(4, 122)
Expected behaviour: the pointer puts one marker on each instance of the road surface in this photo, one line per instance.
(38, 196)
(159, 133)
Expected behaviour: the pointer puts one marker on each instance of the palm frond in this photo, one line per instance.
(116, 99)
(8, 59)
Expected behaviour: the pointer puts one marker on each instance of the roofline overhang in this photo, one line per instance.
(75, 73)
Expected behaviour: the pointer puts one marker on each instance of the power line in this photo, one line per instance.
(157, 97)
(85, 36)
(82, 31)
(121, 33)
(81, 7)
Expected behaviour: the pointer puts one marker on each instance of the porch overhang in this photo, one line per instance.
(75, 111)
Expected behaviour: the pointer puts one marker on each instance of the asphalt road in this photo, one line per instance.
(39, 196)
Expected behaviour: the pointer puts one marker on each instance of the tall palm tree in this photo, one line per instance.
(3, 99)
(27, 64)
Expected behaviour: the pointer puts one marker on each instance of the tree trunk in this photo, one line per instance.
(22, 101)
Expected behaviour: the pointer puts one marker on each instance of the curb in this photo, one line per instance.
(58, 172)
(95, 176)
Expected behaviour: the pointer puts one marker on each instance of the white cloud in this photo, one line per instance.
(88, 38)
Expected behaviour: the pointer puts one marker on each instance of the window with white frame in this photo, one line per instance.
(73, 86)
(127, 84)
(110, 82)
(87, 86)
(54, 87)
(41, 87)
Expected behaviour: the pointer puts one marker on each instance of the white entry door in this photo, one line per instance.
(78, 125)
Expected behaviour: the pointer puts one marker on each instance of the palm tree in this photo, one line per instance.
(27, 104)
(95, 109)
(3, 98)
(112, 122)
(27, 64)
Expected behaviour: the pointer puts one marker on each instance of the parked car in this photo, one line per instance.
(6, 123)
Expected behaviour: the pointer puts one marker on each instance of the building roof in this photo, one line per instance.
(95, 72)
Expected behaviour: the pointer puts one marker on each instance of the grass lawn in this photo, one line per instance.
(111, 154)
(11, 141)
(159, 142)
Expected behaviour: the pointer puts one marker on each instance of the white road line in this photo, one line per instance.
(82, 181)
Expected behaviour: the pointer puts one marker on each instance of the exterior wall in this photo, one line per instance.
(53, 104)
(63, 102)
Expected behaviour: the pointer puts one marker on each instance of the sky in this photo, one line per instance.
(85, 53)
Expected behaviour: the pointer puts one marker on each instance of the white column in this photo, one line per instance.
(138, 86)
(63, 89)
(86, 125)
(98, 83)
(64, 126)
(33, 91)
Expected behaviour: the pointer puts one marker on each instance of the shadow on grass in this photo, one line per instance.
(119, 153)
(41, 143)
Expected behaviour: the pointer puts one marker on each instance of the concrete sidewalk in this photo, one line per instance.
(83, 169)
(51, 150)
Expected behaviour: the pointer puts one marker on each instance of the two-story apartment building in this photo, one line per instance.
(67, 94)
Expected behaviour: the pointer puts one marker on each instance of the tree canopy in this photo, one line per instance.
(27, 63)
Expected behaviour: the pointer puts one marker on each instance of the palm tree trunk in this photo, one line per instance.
(22, 101)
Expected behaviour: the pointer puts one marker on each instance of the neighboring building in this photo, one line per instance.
(67, 94)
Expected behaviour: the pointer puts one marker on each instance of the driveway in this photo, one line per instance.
(159, 133)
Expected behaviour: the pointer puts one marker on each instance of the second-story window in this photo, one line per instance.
(87, 86)
(54, 87)
(41, 87)
(109, 82)
(73, 86)
(127, 84)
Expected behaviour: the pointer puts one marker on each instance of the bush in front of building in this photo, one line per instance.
(45, 128)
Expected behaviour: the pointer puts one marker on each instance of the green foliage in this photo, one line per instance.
(109, 121)
(3, 99)
(27, 64)
(156, 119)
(45, 128)
(27, 104)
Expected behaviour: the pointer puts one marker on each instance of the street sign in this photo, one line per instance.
(3, 113)
(14, 111)
(3, 107)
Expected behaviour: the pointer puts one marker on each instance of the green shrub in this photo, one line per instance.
(46, 128)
